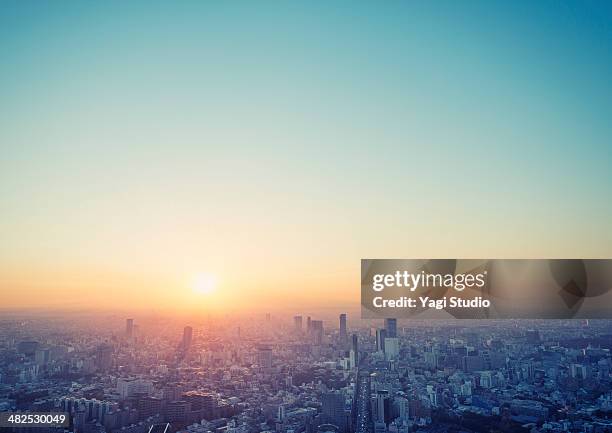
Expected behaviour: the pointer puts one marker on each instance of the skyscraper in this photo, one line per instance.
(391, 327)
(129, 327)
(297, 323)
(264, 357)
(333, 409)
(316, 327)
(354, 353)
(383, 406)
(381, 334)
(391, 349)
(187, 337)
(104, 354)
(343, 334)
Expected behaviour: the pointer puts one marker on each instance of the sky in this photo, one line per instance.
(266, 147)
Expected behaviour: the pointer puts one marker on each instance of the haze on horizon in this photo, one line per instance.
(270, 147)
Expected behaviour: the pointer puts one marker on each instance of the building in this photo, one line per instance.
(203, 402)
(383, 407)
(149, 406)
(354, 352)
(177, 411)
(473, 363)
(381, 334)
(131, 386)
(528, 408)
(343, 334)
(486, 379)
(316, 327)
(391, 348)
(129, 327)
(431, 359)
(402, 408)
(28, 347)
(104, 357)
(391, 327)
(264, 357)
(88, 408)
(578, 371)
(334, 410)
(42, 356)
(187, 337)
(297, 323)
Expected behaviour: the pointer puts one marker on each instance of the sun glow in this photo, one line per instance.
(204, 284)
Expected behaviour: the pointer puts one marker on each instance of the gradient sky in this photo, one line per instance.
(274, 144)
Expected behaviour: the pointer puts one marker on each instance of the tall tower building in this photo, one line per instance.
(391, 327)
(104, 357)
(343, 334)
(354, 353)
(316, 327)
(381, 334)
(129, 327)
(391, 349)
(297, 323)
(383, 406)
(187, 337)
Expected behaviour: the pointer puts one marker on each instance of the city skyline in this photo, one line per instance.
(193, 196)
(266, 374)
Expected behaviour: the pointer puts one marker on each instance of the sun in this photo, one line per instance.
(204, 284)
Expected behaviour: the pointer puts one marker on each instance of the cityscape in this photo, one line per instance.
(302, 373)
(188, 191)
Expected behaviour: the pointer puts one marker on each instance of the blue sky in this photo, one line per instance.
(322, 132)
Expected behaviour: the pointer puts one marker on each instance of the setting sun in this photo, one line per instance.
(204, 284)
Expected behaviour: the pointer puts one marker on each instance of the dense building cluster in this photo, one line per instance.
(306, 374)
